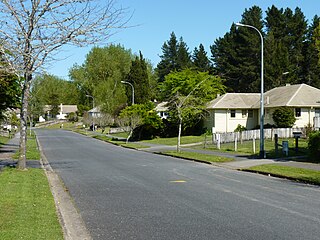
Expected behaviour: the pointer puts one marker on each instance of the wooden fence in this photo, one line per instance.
(255, 134)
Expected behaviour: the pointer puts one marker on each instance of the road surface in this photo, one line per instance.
(128, 194)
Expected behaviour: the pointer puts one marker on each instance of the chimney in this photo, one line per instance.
(268, 100)
(287, 84)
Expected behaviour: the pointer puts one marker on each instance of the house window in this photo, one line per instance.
(244, 113)
(298, 112)
(250, 113)
(233, 113)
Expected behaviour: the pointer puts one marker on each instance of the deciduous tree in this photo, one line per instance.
(33, 31)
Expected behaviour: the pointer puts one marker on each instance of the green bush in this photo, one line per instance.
(283, 117)
(240, 128)
(314, 146)
(72, 117)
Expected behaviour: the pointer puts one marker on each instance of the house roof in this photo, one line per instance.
(65, 108)
(234, 101)
(69, 108)
(298, 95)
(161, 107)
(95, 110)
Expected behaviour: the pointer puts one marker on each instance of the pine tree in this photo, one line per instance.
(237, 54)
(183, 55)
(175, 57)
(200, 59)
(169, 59)
(138, 77)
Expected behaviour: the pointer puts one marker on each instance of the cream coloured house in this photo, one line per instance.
(231, 109)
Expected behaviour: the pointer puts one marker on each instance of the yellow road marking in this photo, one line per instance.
(178, 181)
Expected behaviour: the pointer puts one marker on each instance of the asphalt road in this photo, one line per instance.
(128, 194)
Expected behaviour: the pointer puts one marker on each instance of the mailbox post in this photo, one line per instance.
(297, 135)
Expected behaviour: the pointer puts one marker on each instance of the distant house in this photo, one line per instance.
(162, 110)
(64, 110)
(95, 112)
(231, 109)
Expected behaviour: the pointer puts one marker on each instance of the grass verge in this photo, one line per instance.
(246, 147)
(32, 149)
(3, 140)
(27, 206)
(120, 143)
(198, 156)
(293, 173)
(173, 141)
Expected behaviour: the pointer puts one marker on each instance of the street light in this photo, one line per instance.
(87, 95)
(132, 90)
(262, 153)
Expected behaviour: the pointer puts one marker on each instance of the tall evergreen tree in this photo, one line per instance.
(277, 59)
(183, 55)
(200, 59)
(175, 57)
(237, 54)
(169, 57)
(138, 77)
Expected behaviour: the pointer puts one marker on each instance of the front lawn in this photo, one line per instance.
(27, 206)
(299, 174)
(247, 147)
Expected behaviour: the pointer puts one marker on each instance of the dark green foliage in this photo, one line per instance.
(283, 117)
(138, 77)
(314, 146)
(150, 124)
(72, 117)
(200, 60)
(290, 46)
(240, 128)
(237, 54)
(175, 57)
(10, 91)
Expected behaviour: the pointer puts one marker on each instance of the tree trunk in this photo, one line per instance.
(179, 139)
(22, 164)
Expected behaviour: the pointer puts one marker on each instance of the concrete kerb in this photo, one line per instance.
(72, 224)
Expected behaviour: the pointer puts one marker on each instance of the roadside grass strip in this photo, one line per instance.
(120, 143)
(292, 173)
(32, 149)
(27, 206)
(3, 140)
(198, 156)
(173, 141)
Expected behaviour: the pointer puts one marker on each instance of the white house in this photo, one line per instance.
(64, 110)
(231, 109)
(95, 112)
(162, 110)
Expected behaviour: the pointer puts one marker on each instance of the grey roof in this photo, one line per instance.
(298, 95)
(95, 110)
(234, 101)
(162, 107)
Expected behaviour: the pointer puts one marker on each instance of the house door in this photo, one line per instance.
(317, 112)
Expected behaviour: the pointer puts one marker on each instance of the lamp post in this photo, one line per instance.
(87, 95)
(262, 153)
(124, 82)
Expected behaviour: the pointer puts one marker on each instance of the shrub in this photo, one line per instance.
(283, 117)
(72, 117)
(240, 128)
(314, 146)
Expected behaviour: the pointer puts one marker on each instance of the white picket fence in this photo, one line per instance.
(255, 134)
